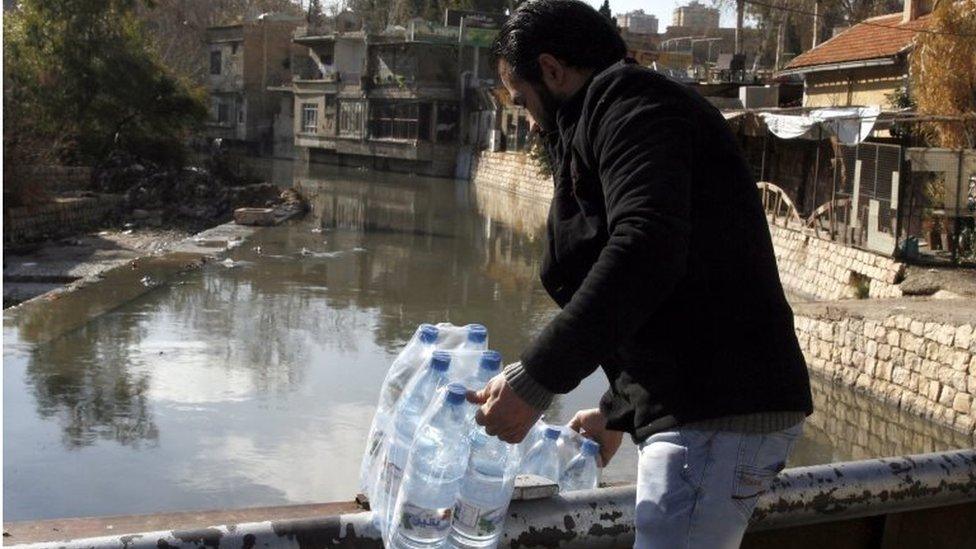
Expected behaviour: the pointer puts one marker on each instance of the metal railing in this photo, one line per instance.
(604, 517)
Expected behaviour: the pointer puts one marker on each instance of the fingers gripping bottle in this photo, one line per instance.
(581, 473)
(479, 514)
(416, 397)
(433, 475)
(488, 367)
(543, 458)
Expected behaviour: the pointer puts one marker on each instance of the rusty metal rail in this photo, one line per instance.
(604, 517)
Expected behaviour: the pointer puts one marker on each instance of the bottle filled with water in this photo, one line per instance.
(416, 398)
(489, 365)
(433, 475)
(581, 473)
(477, 337)
(479, 514)
(543, 458)
(417, 351)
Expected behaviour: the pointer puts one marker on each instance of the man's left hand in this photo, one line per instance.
(503, 413)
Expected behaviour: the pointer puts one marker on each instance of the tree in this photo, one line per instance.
(605, 10)
(81, 76)
(943, 73)
(314, 15)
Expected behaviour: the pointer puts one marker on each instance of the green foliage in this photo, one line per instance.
(80, 76)
(538, 153)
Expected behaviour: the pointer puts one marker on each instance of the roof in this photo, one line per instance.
(883, 36)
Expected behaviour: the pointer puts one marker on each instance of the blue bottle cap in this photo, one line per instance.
(590, 447)
(477, 333)
(553, 433)
(491, 360)
(428, 333)
(440, 360)
(456, 393)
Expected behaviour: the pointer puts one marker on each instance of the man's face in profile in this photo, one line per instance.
(534, 97)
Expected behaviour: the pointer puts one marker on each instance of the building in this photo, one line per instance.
(246, 59)
(864, 65)
(695, 15)
(638, 22)
(405, 100)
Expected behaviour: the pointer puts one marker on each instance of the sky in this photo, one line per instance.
(661, 8)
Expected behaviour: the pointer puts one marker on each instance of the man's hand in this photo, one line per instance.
(593, 424)
(503, 413)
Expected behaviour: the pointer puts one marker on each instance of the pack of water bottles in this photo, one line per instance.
(434, 478)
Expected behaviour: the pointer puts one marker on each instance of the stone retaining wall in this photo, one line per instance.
(59, 179)
(915, 361)
(58, 217)
(515, 173)
(827, 270)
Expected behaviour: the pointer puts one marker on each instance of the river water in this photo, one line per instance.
(254, 385)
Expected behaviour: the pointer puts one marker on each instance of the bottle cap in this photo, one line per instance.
(456, 393)
(440, 360)
(491, 360)
(590, 447)
(428, 333)
(477, 333)
(553, 433)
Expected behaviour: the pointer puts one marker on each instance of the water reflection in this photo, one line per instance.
(253, 382)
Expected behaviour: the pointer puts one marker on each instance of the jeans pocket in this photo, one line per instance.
(761, 458)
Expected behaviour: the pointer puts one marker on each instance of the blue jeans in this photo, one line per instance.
(696, 489)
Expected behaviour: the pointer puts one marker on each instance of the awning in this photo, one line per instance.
(851, 125)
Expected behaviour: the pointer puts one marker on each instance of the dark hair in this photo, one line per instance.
(569, 30)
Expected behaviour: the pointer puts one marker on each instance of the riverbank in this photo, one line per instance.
(917, 354)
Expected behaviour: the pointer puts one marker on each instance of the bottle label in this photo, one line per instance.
(425, 523)
(478, 521)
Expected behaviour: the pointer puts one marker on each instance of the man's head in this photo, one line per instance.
(548, 48)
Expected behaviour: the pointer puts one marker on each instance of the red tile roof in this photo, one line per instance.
(877, 37)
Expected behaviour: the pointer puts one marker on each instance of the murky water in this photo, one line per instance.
(253, 384)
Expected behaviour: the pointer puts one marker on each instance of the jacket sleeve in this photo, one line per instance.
(642, 152)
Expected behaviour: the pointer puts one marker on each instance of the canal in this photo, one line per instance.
(251, 382)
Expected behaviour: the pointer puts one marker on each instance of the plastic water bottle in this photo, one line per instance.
(477, 337)
(488, 367)
(438, 459)
(479, 514)
(405, 366)
(543, 458)
(581, 473)
(417, 396)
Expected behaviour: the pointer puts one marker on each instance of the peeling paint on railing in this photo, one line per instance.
(604, 517)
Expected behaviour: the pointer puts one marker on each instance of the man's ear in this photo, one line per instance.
(553, 71)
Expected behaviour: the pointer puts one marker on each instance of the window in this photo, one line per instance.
(223, 113)
(351, 118)
(215, 62)
(310, 117)
(400, 120)
(447, 122)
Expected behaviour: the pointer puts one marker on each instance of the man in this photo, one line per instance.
(661, 260)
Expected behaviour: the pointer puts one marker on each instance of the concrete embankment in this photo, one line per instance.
(916, 354)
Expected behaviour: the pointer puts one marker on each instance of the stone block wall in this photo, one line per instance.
(60, 216)
(821, 269)
(59, 179)
(923, 365)
(512, 172)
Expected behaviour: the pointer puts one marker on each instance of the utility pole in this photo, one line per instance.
(780, 38)
(740, 6)
(816, 24)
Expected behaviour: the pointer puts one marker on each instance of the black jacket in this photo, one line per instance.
(661, 260)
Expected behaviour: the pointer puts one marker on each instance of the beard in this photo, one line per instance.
(550, 104)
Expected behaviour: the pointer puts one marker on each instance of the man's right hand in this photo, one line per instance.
(593, 424)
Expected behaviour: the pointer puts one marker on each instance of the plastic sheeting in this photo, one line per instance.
(851, 125)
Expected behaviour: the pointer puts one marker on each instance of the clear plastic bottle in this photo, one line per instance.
(431, 481)
(479, 514)
(489, 365)
(404, 367)
(543, 458)
(477, 337)
(416, 397)
(582, 473)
